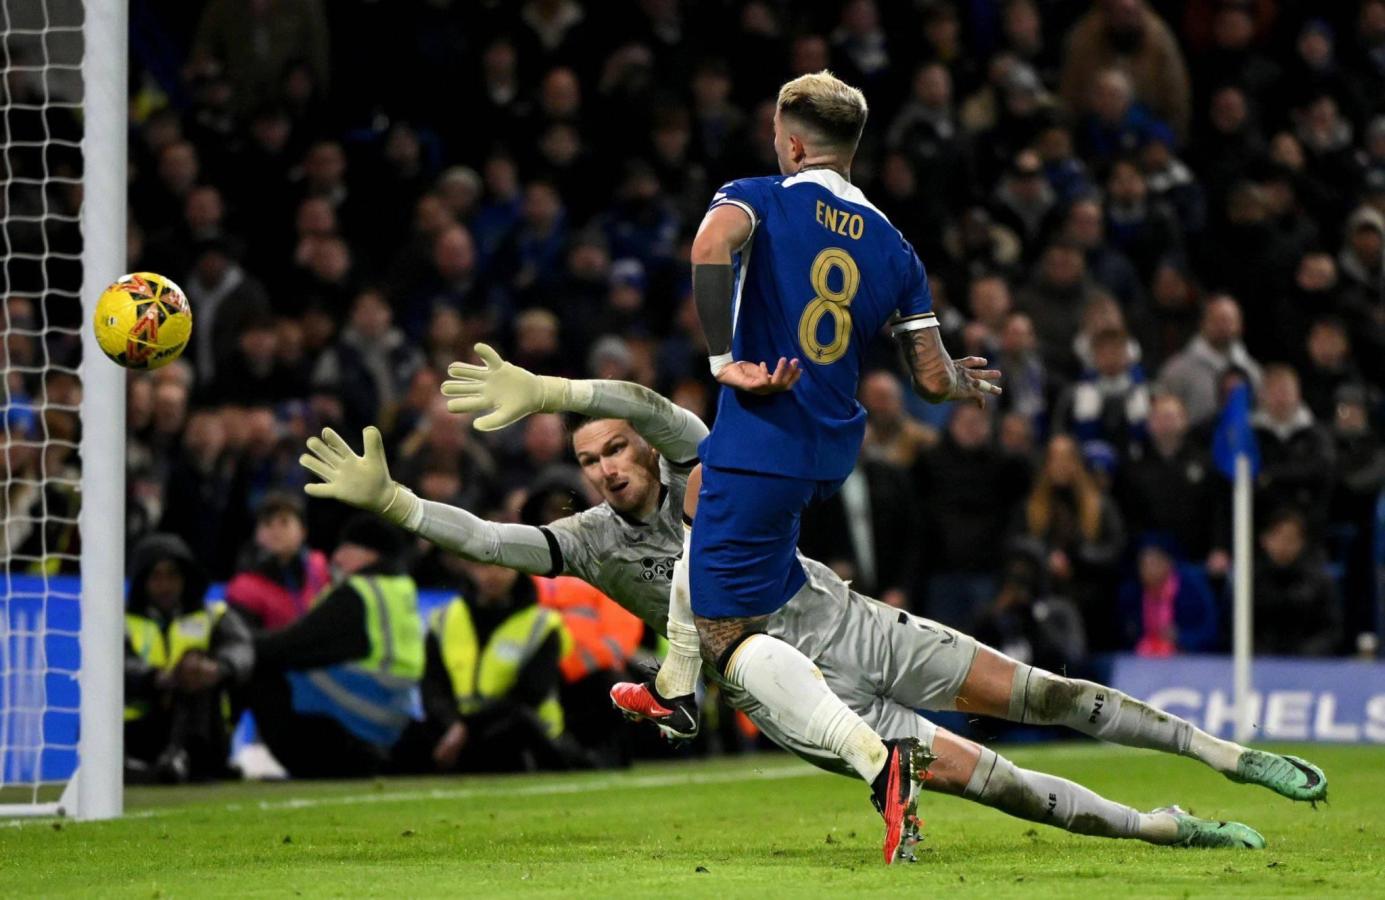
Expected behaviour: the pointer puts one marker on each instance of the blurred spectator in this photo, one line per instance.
(370, 366)
(225, 297)
(967, 490)
(333, 692)
(1030, 388)
(530, 259)
(1329, 368)
(1109, 266)
(182, 659)
(1355, 496)
(1171, 182)
(1055, 300)
(1233, 56)
(1141, 228)
(1029, 624)
(1128, 34)
(864, 531)
(281, 576)
(255, 372)
(1297, 608)
(1194, 373)
(1109, 403)
(1167, 608)
(204, 494)
(979, 245)
(1024, 200)
(490, 689)
(1167, 485)
(39, 533)
(892, 434)
(1116, 125)
(642, 224)
(1075, 528)
(1296, 453)
(1360, 259)
(254, 42)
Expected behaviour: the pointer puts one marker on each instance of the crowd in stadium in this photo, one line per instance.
(1130, 207)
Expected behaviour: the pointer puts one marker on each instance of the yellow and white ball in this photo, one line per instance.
(143, 321)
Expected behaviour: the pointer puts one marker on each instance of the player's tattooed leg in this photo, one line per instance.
(720, 637)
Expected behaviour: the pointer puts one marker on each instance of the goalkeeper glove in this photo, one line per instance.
(360, 481)
(508, 391)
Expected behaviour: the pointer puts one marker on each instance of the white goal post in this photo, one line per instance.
(61, 683)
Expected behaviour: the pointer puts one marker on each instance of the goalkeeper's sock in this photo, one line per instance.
(678, 675)
(1037, 797)
(794, 694)
(1043, 698)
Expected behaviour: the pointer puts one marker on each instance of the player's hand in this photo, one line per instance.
(449, 746)
(360, 481)
(756, 378)
(974, 381)
(505, 391)
(196, 672)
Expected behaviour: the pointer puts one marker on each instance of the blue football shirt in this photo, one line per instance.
(821, 274)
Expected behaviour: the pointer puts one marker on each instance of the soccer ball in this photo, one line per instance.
(143, 321)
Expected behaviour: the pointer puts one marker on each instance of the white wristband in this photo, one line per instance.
(719, 362)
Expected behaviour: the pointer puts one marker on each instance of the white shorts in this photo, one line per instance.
(887, 665)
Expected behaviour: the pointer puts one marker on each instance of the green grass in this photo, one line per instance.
(766, 825)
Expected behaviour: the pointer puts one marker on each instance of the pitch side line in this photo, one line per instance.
(775, 773)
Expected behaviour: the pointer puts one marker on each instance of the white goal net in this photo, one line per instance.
(52, 663)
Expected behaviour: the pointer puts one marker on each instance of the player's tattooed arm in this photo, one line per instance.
(937, 377)
(720, 635)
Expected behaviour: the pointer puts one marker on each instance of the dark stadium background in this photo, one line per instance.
(358, 191)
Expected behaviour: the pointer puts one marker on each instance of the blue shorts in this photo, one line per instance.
(745, 540)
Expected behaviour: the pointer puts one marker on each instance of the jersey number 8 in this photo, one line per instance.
(829, 302)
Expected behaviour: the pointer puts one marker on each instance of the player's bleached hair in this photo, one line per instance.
(831, 107)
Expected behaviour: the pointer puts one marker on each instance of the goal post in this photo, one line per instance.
(63, 134)
(101, 746)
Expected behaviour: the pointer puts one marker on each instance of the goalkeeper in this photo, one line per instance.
(638, 450)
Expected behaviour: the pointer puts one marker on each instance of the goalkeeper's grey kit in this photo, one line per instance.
(882, 662)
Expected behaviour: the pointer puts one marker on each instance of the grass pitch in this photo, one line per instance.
(763, 825)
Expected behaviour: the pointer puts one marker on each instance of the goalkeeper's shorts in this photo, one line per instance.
(744, 542)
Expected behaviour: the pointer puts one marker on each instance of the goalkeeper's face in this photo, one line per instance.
(620, 464)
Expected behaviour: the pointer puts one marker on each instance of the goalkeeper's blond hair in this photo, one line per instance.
(833, 109)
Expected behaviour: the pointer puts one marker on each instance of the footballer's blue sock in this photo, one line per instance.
(794, 694)
(1042, 698)
(1037, 797)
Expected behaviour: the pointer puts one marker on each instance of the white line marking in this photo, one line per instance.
(550, 789)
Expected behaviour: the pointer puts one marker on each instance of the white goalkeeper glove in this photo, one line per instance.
(360, 481)
(509, 392)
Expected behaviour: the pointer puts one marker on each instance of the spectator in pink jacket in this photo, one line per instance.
(282, 575)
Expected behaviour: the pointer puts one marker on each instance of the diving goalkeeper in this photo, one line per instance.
(639, 450)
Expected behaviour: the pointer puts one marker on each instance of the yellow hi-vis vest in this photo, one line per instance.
(192, 631)
(483, 674)
(373, 697)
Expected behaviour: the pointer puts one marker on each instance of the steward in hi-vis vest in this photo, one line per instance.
(334, 691)
(181, 659)
(492, 681)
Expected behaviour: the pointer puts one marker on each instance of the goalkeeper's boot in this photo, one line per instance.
(1288, 776)
(895, 793)
(1195, 832)
(676, 717)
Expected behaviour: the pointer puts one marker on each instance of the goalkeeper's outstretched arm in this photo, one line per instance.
(364, 481)
(506, 393)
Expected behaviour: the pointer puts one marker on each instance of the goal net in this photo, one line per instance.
(62, 231)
